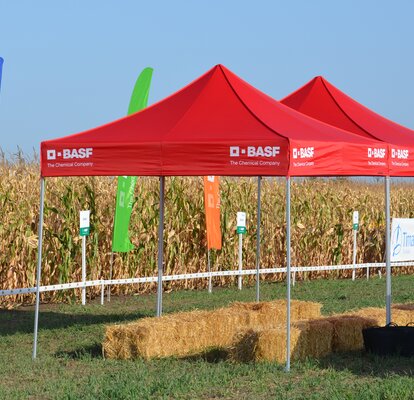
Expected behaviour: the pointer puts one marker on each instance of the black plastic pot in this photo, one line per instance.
(390, 340)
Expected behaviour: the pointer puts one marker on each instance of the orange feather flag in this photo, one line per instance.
(212, 207)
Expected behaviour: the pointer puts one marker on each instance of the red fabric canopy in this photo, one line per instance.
(323, 101)
(217, 125)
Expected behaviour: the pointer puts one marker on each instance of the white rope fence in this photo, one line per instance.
(152, 279)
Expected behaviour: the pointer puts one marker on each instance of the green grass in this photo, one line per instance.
(70, 364)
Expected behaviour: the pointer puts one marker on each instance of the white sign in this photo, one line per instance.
(355, 218)
(241, 219)
(402, 239)
(84, 219)
(84, 222)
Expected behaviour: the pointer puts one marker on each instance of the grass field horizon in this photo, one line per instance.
(70, 363)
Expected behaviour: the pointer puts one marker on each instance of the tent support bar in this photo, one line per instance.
(39, 265)
(387, 249)
(288, 274)
(259, 206)
(160, 247)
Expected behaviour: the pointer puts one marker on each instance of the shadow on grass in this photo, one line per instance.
(93, 351)
(212, 356)
(22, 321)
(359, 363)
(366, 364)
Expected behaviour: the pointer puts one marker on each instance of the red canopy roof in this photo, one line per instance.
(323, 101)
(217, 125)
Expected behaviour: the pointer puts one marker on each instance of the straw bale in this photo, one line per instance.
(188, 333)
(402, 315)
(307, 339)
(116, 343)
(272, 313)
(315, 339)
(263, 345)
(347, 331)
(348, 327)
(176, 334)
(180, 334)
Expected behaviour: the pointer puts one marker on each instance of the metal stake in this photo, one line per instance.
(102, 293)
(240, 282)
(354, 256)
(387, 249)
(160, 247)
(39, 265)
(83, 269)
(259, 186)
(210, 286)
(110, 276)
(288, 272)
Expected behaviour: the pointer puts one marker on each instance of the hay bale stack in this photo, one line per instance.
(307, 339)
(347, 331)
(402, 315)
(188, 333)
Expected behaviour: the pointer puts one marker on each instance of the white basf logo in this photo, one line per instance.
(374, 152)
(401, 154)
(68, 154)
(51, 154)
(254, 151)
(303, 152)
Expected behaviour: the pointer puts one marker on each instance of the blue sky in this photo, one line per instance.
(70, 66)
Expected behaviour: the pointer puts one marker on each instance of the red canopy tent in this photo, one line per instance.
(217, 125)
(322, 100)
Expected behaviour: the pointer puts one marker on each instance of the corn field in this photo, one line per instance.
(321, 228)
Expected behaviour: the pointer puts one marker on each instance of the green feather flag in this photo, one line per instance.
(126, 184)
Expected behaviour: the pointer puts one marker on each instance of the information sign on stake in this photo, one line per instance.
(84, 223)
(84, 231)
(241, 223)
(241, 230)
(355, 225)
(355, 221)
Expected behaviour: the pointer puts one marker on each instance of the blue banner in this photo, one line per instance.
(1, 68)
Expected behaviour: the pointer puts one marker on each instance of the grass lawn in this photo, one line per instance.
(70, 363)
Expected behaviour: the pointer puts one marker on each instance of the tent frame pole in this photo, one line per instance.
(387, 250)
(288, 274)
(259, 207)
(39, 265)
(160, 246)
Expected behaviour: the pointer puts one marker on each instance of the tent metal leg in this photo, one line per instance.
(160, 247)
(288, 274)
(387, 249)
(39, 265)
(259, 206)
